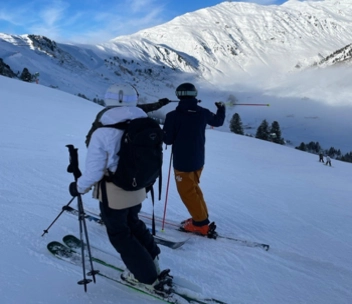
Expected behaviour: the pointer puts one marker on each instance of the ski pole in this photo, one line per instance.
(252, 104)
(231, 104)
(179, 101)
(85, 281)
(247, 104)
(63, 209)
(167, 192)
(82, 222)
(74, 168)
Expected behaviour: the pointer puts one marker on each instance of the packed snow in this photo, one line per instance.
(255, 190)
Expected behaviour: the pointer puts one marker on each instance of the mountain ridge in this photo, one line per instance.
(223, 44)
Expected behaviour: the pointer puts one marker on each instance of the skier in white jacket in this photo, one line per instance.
(119, 208)
(328, 160)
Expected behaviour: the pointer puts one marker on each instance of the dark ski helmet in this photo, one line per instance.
(186, 90)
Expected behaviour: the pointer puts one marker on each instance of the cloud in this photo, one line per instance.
(17, 15)
(53, 14)
(33, 17)
(4, 16)
(141, 5)
(121, 19)
(81, 21)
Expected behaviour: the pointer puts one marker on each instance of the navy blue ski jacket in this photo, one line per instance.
(184, 129)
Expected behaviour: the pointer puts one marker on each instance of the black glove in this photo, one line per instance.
(73, 189)
(163, 101)
(75, 170)
(219, 104)
(73, 166)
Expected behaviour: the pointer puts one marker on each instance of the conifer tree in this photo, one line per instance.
(236, 124)
(275, 133)
(302, 147)
(26, 75)
(263, 131)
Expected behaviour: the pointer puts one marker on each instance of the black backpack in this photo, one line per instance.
(140, 154)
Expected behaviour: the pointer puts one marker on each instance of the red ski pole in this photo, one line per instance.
(231, 104)
(252, 104)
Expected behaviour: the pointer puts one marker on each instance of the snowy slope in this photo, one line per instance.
(255, 190)
(343, 55)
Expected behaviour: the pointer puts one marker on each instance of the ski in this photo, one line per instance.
(75, 244)
(70, 255)
(89, 217)
(64, 253)
(176, 226)
(246, 243)
(96, 218)
(212, 235)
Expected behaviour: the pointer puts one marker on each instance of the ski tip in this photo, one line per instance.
(70, 236)
(54, 244)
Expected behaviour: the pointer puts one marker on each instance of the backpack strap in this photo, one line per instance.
(153, 217)
(152, 195)
(160, 183)
(104, 194)
(96, 124)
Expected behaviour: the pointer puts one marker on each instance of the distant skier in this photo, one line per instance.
(321, 157)
(328, 160)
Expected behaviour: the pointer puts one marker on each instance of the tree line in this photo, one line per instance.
(272, 133)
(315, 148)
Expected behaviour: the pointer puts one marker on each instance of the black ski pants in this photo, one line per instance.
(132, 240)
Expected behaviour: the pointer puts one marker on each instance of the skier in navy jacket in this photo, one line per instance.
(184, 129)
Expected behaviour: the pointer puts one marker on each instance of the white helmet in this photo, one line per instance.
(121, 95)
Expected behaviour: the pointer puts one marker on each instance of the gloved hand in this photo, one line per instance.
(163, 101)
(219, 104)
(73, 189)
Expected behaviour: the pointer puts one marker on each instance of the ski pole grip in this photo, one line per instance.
(73, 165)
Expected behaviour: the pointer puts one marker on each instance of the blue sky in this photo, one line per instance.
(94, 21)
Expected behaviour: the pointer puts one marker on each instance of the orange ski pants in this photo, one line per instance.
(191, 195)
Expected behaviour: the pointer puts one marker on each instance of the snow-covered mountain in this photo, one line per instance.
(228, 39)
(228, 43)
(294, 56)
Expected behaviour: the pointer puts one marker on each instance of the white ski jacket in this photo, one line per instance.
(103, 147)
